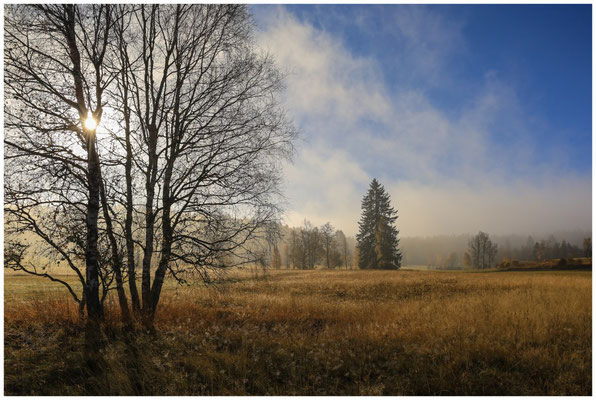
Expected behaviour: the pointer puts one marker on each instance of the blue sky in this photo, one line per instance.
(455, 109)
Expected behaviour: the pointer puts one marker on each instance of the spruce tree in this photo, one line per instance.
(377, 236)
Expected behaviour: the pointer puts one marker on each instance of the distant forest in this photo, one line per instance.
(309, 246)
(437, 251)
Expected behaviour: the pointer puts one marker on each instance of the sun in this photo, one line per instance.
(90, 122)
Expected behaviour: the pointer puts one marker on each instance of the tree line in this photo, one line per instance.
(375, 246)
(482, 253)
(309, 246)
(448, 251)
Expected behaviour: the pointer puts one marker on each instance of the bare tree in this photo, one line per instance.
(276, 257)
(342, 243)
(293, 249)
(451, 260)
(466, 260)
(186, 162)
(211, 137)
(306, 246)
(312, 245)
(482, 251)
(587, 247)
(55, 80)
(327, 232)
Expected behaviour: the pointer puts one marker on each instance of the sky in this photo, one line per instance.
(472, 117)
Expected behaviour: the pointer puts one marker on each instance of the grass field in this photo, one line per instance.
(319, 333)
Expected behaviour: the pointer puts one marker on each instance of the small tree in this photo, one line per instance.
(538, 251)
(293, 251)
(342, 243)
(467, 260)
(287, 255)
(588, 247)
(327, 232)
(564, 249)
(482, 251)
(451, 261)
(276, 258)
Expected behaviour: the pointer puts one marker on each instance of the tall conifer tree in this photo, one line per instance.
(377, 236)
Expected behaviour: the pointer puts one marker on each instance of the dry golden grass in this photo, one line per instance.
(319, 333)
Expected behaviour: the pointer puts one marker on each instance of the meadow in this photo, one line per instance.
(317, 333)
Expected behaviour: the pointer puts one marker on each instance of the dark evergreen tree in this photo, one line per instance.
(377, 236)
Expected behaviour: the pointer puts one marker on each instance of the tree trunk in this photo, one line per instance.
(82, 309)
(94, 309)
(116, 260)
(132, 276)
(149, 226)
(159, 276)
(166, 240)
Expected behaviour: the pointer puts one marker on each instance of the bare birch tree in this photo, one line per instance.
(55, 79)
(209, 137)
(186, 162)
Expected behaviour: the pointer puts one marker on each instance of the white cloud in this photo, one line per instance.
(323, 78)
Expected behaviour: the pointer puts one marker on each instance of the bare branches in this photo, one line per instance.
(14, 259)
(186, 163)
(49, 95)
